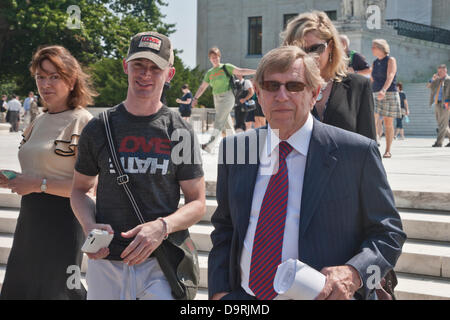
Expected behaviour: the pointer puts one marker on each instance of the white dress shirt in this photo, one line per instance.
(296, 163)
(14, 105)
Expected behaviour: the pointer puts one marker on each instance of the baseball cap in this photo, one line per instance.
(153, 46)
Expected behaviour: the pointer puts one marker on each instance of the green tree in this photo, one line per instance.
(110, 81)
(27, 24)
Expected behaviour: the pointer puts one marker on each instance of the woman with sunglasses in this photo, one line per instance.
(345, 101)
(48, 237)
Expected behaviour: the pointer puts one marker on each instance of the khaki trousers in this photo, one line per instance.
(223, 103)
(442, 117)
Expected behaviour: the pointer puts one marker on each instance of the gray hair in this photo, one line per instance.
(282, 58)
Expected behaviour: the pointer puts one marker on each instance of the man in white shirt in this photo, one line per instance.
(14, 107)
(316, 193)
(27, 105)
(240, 109)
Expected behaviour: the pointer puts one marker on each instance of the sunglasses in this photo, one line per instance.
(291, 86)
(318, 48)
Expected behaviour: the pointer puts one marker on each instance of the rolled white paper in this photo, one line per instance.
(296, 280)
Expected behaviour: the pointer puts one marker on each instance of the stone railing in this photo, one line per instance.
(420, 31)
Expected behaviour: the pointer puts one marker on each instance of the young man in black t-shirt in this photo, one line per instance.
(357, 63)
(157, 161)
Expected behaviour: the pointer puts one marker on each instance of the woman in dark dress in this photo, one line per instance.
(48, 237)
(346, 99)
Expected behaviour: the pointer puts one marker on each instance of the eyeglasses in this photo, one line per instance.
(52, 78)
(318, 48)
(291, 86)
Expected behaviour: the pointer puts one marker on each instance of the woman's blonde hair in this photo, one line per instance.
(279, 60)
(70, 71)
(319, 23)
(382, 45)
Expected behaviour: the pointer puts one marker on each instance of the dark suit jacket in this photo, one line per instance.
(350, 106)
(347, 216)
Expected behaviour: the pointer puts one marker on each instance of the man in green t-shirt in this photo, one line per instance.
(224, 99)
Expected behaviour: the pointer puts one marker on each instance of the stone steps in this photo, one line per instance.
(423, 225)
(427, 258)
(415, 287)
(422, 119)
(417, 224)
(424, 263)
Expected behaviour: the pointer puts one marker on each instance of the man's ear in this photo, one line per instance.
(171, 74)
(125, 66)
(257, 89)
(316, 93)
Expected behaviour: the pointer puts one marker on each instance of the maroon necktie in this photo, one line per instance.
(268, 241)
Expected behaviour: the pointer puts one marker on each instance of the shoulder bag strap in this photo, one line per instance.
(122, 178)
(226, 71)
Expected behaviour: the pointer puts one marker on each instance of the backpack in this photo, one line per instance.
(235, 85)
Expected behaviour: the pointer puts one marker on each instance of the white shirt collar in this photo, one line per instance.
(299, 140)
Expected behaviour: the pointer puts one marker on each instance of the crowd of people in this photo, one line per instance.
(13, 112)
(116, 172)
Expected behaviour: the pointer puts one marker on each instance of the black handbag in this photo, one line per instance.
(177, 255)
(246, 107)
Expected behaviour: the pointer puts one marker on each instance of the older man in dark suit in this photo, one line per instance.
(314, 193)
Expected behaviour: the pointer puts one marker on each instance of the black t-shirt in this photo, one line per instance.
(358, 62)
(151, 155)
(182, 106)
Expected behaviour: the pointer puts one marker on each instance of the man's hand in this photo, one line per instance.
(435, 76)
(218, 296)
(104, 252)
(341, 284)
(147, 237)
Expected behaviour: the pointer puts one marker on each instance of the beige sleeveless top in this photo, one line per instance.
(49, 144)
